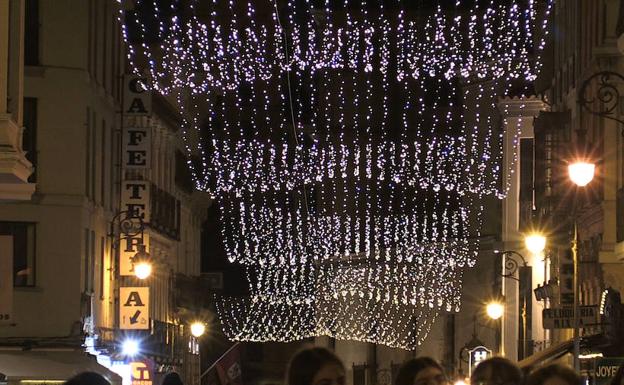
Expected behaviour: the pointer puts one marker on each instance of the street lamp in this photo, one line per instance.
(581, 172)
(535, 243)
(495, 310)
(142, 263)
(197, 329)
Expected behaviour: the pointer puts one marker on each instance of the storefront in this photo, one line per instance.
(47, 367)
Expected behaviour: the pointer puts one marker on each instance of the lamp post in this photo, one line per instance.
(581, 173)
(535, 243)
(125, 225)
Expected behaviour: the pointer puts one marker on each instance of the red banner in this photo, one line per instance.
(229, 367)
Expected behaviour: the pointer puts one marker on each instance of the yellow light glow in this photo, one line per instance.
(142, 270)
(581, 173)
(535, 243)
(198, 329)
(495, 310)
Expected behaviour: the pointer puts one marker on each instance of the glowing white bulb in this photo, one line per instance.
(581, 173)
(198, 329)
(535, 243)
(130, 348)
(495, 310)
(142, 270)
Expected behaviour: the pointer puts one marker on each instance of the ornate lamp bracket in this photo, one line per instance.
(511, 263)
(604, 99)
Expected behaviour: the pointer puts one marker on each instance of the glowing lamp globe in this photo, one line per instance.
(198, 329)
(535, 243)
(142, 263)
(581, 173)
(142, 270)
(130, 348)
(495, 310)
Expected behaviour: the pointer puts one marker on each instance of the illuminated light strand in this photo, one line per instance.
(284, 243)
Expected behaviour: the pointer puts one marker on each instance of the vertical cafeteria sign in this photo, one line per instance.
(136, 148)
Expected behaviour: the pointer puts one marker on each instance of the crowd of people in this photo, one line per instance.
(320, 366)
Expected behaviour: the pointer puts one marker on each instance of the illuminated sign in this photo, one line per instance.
(141, 374)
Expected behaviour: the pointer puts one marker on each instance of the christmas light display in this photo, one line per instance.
(348, 146)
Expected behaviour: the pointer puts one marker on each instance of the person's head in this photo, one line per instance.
(496, 371)
(618, 379)
(421, 371)
(554, 375)
(172, 378)
(315, 366)
(87, 378)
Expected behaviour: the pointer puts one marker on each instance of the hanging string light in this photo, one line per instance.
(349, 149)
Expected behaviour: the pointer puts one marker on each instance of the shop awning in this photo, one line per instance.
(548, 354)
(50, 365)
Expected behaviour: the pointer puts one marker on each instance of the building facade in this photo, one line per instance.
(15, 147)
(558, 129)
(69, 245)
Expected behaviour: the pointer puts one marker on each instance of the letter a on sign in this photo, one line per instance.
(134, 308)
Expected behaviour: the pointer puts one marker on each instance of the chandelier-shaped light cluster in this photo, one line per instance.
(348, 146)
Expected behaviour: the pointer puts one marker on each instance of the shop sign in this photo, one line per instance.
(135, 198)
(137, 145)
(563, 318)
(606, 368)
(137, 97)
(134, 308)
(129, 248)
(6, 279)
(476, 356)
(141, 373)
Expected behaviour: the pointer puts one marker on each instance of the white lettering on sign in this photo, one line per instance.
(563, 318)
(476, 356)
(137, 97)
(6, 279)
(606, 371)
(134, 308)
(137, 145)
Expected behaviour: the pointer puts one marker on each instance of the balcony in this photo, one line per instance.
(14, 167)
(165, 213)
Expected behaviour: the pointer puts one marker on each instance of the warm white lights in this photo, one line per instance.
(142, 270)
(130, 347)
(535, 243)
(348, 153)
(198, 329)
(581, 172)
(495, 310)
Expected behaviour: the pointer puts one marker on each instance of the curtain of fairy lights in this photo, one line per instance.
(348, 144)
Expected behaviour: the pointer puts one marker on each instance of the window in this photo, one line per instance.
(23, 251)
(29, 141)
(31, 33)
(89, 260)
(103, 156)
(359, 374)
(103, 267)
(88, 154)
